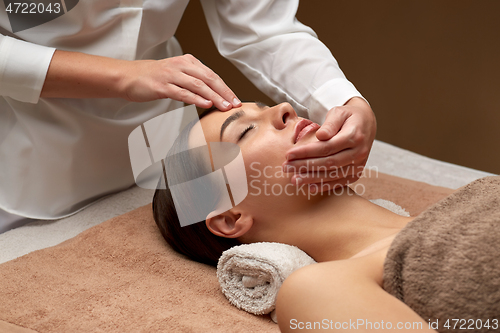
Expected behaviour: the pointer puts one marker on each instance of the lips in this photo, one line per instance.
(303, 127)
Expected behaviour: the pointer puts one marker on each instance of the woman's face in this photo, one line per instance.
(264, 135)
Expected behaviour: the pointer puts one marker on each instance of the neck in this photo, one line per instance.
(336, 227)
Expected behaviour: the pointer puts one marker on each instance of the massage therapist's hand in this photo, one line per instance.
(345, 140)
(183, 78)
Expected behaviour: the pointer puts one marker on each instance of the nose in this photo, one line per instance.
(281, 115)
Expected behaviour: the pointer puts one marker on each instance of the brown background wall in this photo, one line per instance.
(430, 69)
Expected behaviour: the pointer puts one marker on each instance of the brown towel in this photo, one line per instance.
(445, 264)
(118, 276)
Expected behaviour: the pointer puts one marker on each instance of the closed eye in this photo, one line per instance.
(245, 131)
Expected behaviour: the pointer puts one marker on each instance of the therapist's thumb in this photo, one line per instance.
(334, 120)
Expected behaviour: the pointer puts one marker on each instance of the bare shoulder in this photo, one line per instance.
(368, 268)
(339, 292)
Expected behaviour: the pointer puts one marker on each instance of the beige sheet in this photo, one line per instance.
(6, 327)
(120, 276)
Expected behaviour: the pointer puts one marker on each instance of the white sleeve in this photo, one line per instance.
(23, 68)
(280, 55)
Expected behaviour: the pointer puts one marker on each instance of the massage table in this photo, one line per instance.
(105, 309)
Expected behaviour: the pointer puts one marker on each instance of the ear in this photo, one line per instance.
(229, 224)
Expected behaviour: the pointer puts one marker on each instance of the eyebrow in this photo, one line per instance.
(229, 120)
(237, 115)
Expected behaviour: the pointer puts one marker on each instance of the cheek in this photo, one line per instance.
(263, 167)
(261, 154)
(264, 155)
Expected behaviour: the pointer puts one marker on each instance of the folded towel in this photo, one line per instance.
(444, 264)
(251, 275)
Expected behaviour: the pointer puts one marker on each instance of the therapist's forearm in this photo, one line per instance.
(183, 78)
(79, 75)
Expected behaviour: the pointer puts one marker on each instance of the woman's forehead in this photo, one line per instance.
(213, 121)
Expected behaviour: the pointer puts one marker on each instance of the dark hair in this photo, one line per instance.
(194, 240)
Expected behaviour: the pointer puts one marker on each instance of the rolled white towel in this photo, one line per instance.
(251, 274)
(391, 206)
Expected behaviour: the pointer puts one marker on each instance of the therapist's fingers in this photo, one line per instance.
(321, 154)
(183, 78)
(334, 120)
(357, 129)
(187, 96)
(200, 91)
(342, 140)
(209, 85)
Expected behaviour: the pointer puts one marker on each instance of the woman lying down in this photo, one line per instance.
(439, 271)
